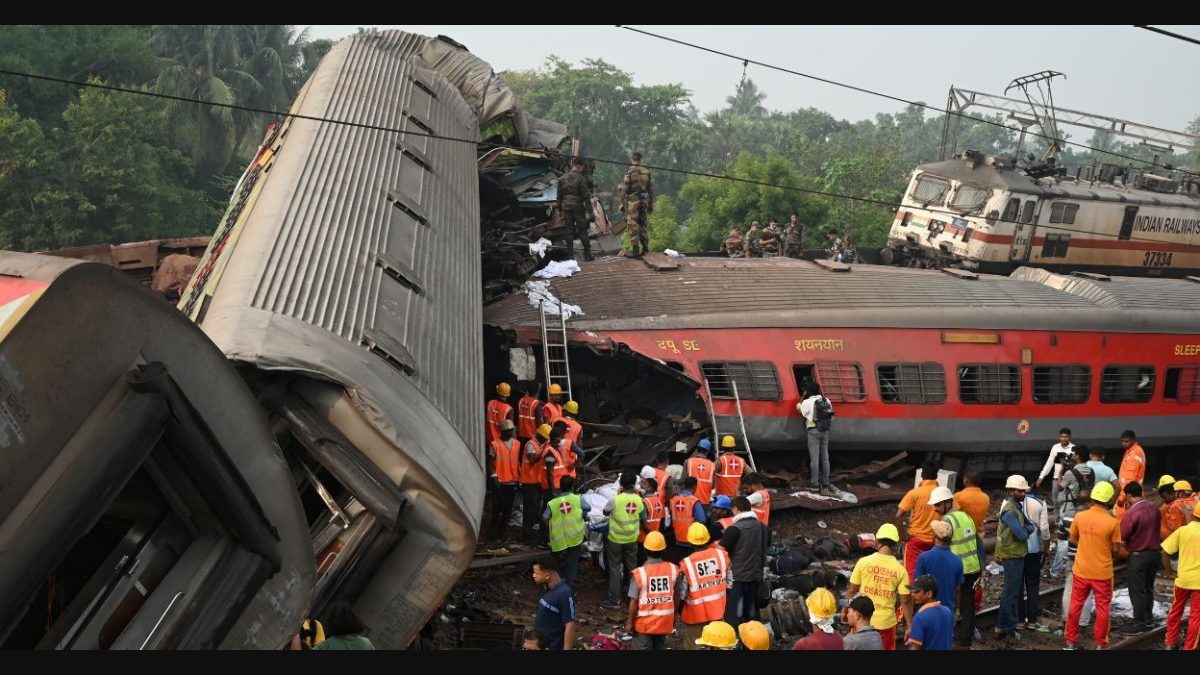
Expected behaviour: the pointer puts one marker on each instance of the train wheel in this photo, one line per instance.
(886, 256)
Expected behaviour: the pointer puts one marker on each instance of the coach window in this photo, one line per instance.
(1182, 384)
(1027, 212)
(1127, 384)
(1056, 245)
(929, 189)
(756, 380)
(968, 198)
(911, 382)
(989, 383)
(1063, 213)
(1011, 211)
(1061, 384)
(841, 381)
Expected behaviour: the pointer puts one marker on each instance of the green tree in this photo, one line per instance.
(747, 101)
(664, 225)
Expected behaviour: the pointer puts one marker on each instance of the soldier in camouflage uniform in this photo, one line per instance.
(772, 239)
(836, 246)
(575, 200)
(793, 237)
(753, 240)
(734, 245)
(636, 194)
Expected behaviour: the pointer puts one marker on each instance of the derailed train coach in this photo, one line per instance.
(313, 434)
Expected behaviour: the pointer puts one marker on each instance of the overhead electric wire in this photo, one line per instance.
(477, 143)
(1168, 33)
(899, 99)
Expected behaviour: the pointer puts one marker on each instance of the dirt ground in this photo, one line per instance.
(505, 593)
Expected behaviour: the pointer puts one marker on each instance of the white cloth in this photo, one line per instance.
(539, 247)
(558, 268)
(825, 625)
(1050, 465)
(806, 410)
(538, 294)
(755, 499)
(1036, 511)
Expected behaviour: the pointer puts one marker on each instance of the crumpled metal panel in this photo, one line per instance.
(1170, 295)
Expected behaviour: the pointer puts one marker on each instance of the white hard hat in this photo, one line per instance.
(939, 495)
(647, 472)
(1016, 482)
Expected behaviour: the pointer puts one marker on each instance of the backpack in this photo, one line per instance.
(822, 414)
(1086, 482)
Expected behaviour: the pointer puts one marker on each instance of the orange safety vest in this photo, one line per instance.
(654, 516)
(507, 463)
(763, 513)
(729, 474)
(656, 598)
(533, 470)
(497, 411)
(1186, 506)
(725, 522)
(705, 573)
(683, 514)
(527, 417)
(560, 467)
(661, 476)
(574, 430)
(702, 470)
(550, 412)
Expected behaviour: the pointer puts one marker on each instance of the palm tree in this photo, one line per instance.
(274, 56)
(747, 101)
(203, 63)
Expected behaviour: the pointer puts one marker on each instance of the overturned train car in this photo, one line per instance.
(922, 360)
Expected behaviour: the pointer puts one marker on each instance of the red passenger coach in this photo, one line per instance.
(922, 360)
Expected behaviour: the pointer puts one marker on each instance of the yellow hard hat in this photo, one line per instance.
(504, 389)
(718, 634)
(888, 531)
(728, 442)
(655, 542)
(1182, 485)
(697, 534)
(1196, 511)
(571, 407)
(555, 389)
(821, 604)
(754, 636)
(544, 431)
(1103, 492)
(312, 633)
(1166, 480)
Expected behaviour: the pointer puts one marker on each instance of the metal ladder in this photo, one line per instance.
(555, 358)
(712, 415)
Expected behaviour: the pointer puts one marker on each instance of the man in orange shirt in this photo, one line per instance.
(916, 502)
(1169, 520)
(973, 501)
(1133, 467)
(1097, 536)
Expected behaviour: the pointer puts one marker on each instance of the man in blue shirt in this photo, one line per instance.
(941, 563)
(933, 623)
(555, 616)
(1101, 471)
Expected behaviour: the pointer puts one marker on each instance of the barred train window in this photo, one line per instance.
(1063, 213)
(989, 383)
(1061, 384)
(1127, 384)
(970, 197)
(929, 189)
(1182, 384)
(756, 380)
(911, 382)
(841, 381)
(1056, 245)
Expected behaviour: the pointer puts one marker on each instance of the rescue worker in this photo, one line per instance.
(564, 518)
(529, 408)
(703, 580)
(651, 616)
(655, 510)
(793, 237)
(747, 541)
(1185, 499)
(836, 247)
(916, 502)
(552, 409)
(311, 634)
(1097, 538)
(661, 461)
(1012, 533)
(533, 476)
(1132, 469)
(574, 431)
(504, 455)
(729, 468)
(636, 194)
(1184, 543)
(557, 458)
(575, 201)
(716, 635)
(734, 245)
(1168, 522)
(624, 513)
(700, 467)
(822, 608)
(772, 239)
(722, 512)
(967, 546)
(754, 240)
(754, 636)
(685, 510)
(883, 579)
(759, 498)
(498, 409)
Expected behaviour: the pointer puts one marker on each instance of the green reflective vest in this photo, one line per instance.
(623, 523)
(566, 522)
(963, 542)
(1009, 547)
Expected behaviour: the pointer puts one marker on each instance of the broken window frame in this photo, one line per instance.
(1068, 384)
(1118, 384)
(756, 380)
(994, 383)
(912, 383)
(1181, 383)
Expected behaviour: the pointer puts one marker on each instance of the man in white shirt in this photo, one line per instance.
(817, 433)
(1058, 461)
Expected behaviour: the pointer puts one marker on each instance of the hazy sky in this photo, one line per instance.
(1118, 71)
